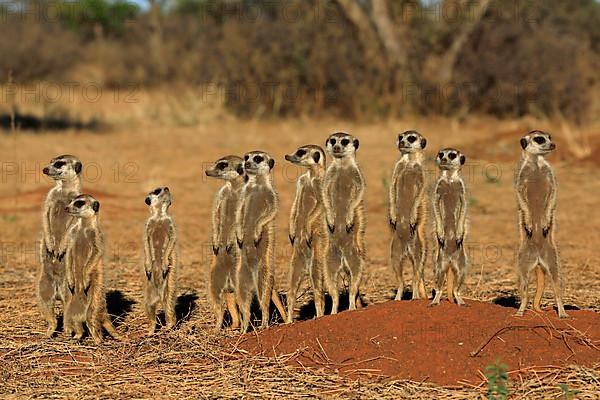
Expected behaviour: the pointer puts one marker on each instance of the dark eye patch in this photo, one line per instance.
(258, 159)
(59, 164)
(345, 142)
(412, 139)
(246, 157)
(440, 155)
(156, 192)
(400, 137)
(332, 141)
(222, 165)
(452, 155)
(79, 203)
(539, 139)
(300, 153)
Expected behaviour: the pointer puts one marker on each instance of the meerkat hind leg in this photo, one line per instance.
(46, 301)
(552, 265)
(440, 271)
(397, 261)
(539, 290)
(355, 267)
(278, 304)
(450, 284)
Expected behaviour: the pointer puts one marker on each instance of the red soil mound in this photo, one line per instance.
(444, 345)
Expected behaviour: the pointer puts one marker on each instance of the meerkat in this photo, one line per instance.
(536, 189)
(343, 190)
(450, 212)
(83, 246)
(407, 212)
(64, 170)
(160, 261)
(306, 227)
(226, 253)
(255, 237)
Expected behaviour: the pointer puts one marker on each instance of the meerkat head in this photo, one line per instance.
(258, 163)
(450, 159)
(307, 156)
(537, 143)
(83, 206)
(410, 142)
(341, 144)
(159, 196)
(227, 168)
(63, 168)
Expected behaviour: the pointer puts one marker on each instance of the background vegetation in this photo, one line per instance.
(349, 58)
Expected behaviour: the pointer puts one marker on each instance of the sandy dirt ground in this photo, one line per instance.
(122, 164)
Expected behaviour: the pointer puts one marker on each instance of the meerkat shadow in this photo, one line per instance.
(186, 304)
(118, 306)
(406, 294)
(308, 311)
(507, 300)
(256, 315)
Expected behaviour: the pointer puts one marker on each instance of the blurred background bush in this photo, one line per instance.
(346, 58)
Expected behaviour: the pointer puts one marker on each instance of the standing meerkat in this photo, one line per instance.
(256, 239)
(407, 212)
(343, 190)
(83, 246)
(160, 262)
(52, 286)
(226, 253)
(450, 212)
(306, 227)
(536, 190)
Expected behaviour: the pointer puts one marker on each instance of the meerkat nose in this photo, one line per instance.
(552, 146)
(167, 189)
(45, 170)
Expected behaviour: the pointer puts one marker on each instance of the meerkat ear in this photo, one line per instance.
(356, 143)
(316, 156)
(78, 167)
(423, 143)
(462, 160)
(271, 163)
(523, 143)
(240, 169)
(96, 206)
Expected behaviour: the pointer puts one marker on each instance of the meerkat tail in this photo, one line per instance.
(233, 311)
(358, 302)
(108, 326)
(450, 278)
(539, 290)
(277, 301)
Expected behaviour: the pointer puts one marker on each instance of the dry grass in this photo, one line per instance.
(193, 361)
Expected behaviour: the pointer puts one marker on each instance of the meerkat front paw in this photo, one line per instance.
(413, 228)
(215, 250)
(292, 239)
(392, 222)
(228, 248)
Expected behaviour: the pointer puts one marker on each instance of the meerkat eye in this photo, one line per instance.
(222, 165)
(332, 141)
(300, 152)
(539, 139)
(345, 142)
(400, 137)
(79, 203)
(156, 192)
(246, 157)
(441, 155)
(258, 159)
(452, 155)
(59, 164)
(412, 139)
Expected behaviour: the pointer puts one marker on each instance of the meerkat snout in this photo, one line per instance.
(537, 142)
(411, 141)
(450, 159)
(83, 206)
(341, 144)
(258, 163)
